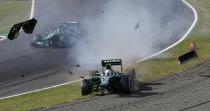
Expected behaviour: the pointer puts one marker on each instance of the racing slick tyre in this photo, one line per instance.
(85, 87)
(124, 83)
(132, 79)
(131, 73)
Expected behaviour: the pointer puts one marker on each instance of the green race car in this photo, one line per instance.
(109, 79)
(66, 35)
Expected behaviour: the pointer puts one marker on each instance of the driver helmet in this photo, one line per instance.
(108, 66)
(107, 72)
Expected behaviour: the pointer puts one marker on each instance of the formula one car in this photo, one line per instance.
(66, 35)
(109, 79)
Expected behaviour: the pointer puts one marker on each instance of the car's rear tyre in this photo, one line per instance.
(131, 73)
(132, 79)
(125, 84)
(85, 87)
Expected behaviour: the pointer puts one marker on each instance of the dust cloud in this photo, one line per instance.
(127, 29)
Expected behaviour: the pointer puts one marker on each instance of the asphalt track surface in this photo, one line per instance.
(187, 90)
(23, 68)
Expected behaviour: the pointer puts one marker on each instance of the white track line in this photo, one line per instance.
(184, 37)
(32, 9)
(40, 89)
(2, 38)
(186, 34)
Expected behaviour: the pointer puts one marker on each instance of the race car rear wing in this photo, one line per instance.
(112, 62)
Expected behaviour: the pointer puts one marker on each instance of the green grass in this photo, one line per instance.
(156, 68)
(149, 70)
(43, 99)
(13, 11)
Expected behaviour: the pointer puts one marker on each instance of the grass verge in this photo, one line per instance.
(13, 11)
(43, 99)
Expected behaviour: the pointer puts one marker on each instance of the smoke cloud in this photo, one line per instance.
(110, 26)
(113, 34)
